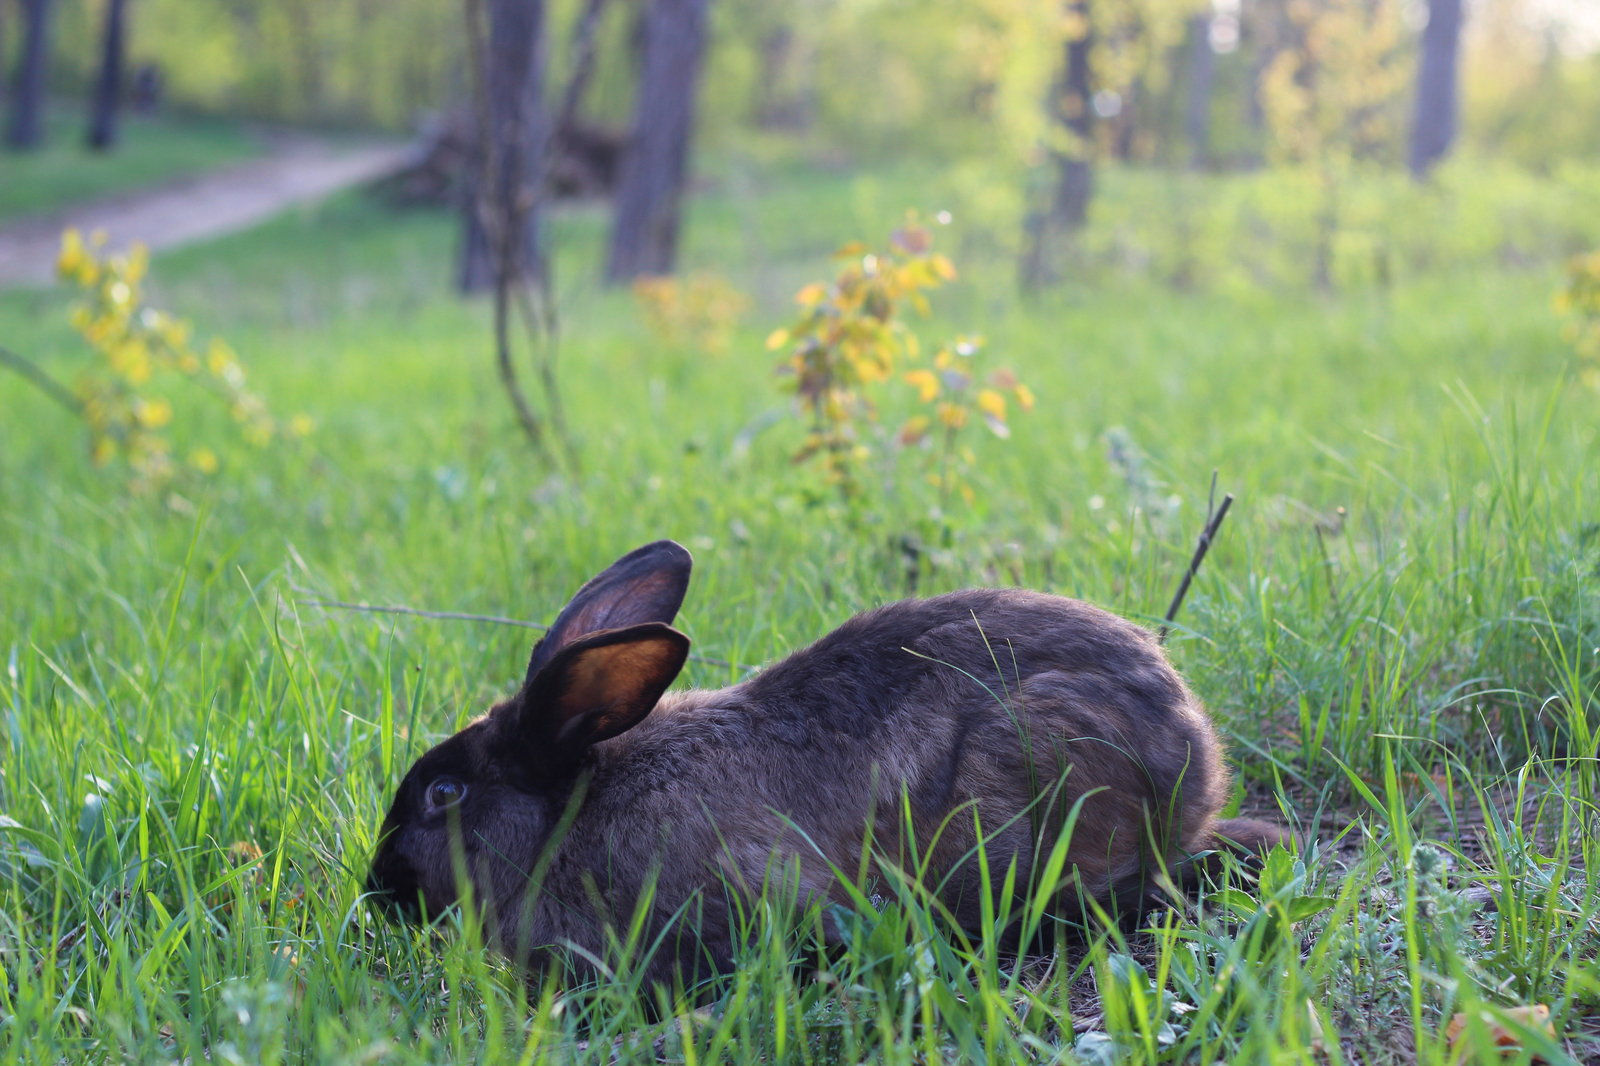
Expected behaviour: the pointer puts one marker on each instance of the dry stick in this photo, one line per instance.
(44, 382)
(459, 616)
(1213, 523)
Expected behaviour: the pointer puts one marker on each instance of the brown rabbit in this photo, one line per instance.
(598, 787)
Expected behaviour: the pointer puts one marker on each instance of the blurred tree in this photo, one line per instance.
(1433, 129)
(1202, 76)
(655, 161)
(27, 101)
(1331, 100)
(1048, 229)
(505, 186)
(108, 88)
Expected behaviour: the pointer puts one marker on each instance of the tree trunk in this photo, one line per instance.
(27, 102)
(505, 187)
(655, 162)
(1434, 127)
(1260, 30)
(1202, 76)
(1047, 231)
(108, 92)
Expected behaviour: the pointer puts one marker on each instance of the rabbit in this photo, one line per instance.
(597, 787)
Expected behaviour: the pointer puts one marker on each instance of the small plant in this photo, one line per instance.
(950, 389)
(138, 347)
(1580, 301)
(848, 339)
(700, 311)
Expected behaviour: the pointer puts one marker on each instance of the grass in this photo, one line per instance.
(1397, 631)
(153, 149)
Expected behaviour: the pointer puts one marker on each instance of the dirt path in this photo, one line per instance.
(190, 209)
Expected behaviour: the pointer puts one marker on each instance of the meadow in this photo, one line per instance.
(1398, 630)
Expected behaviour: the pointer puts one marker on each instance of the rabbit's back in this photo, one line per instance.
(1011, 702)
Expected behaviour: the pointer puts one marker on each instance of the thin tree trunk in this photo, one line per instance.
(1260, 27)
(584, 35)
(108, 92)
(506, 178)
(654, 170)
(1202, 76)
(1433, 129)
(1048, 230)
(27, 102)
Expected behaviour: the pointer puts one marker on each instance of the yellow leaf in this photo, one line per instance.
(777, 339)
(914, 431)
(850, 250)
(152, 414)
(943, 267)
(811, 295)
(926, 382)
(992, 404)
(1535, 1017)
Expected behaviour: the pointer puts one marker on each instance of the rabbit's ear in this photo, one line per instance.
(646, 585)
(600, 685)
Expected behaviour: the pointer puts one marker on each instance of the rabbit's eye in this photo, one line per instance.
(445, 792)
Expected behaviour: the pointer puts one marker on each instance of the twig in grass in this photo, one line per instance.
(1214, 515)
(44, 382)
(461, 616)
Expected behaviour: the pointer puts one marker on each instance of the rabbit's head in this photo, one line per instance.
(485, 802)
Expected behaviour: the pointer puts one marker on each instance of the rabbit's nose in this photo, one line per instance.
(392, 887)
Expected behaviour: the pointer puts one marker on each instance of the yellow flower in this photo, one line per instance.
(204, 460)
(301, 426)
(1024, 397)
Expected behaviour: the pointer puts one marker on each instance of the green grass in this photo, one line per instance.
(1419, 665)
(153, 149)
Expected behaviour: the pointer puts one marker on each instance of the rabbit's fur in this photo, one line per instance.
(599, 787)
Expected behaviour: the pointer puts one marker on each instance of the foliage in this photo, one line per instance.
(1334, 95)
(953, 392)
(139, 348)
(848, 339)
(1580, 301)
(699, 312)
